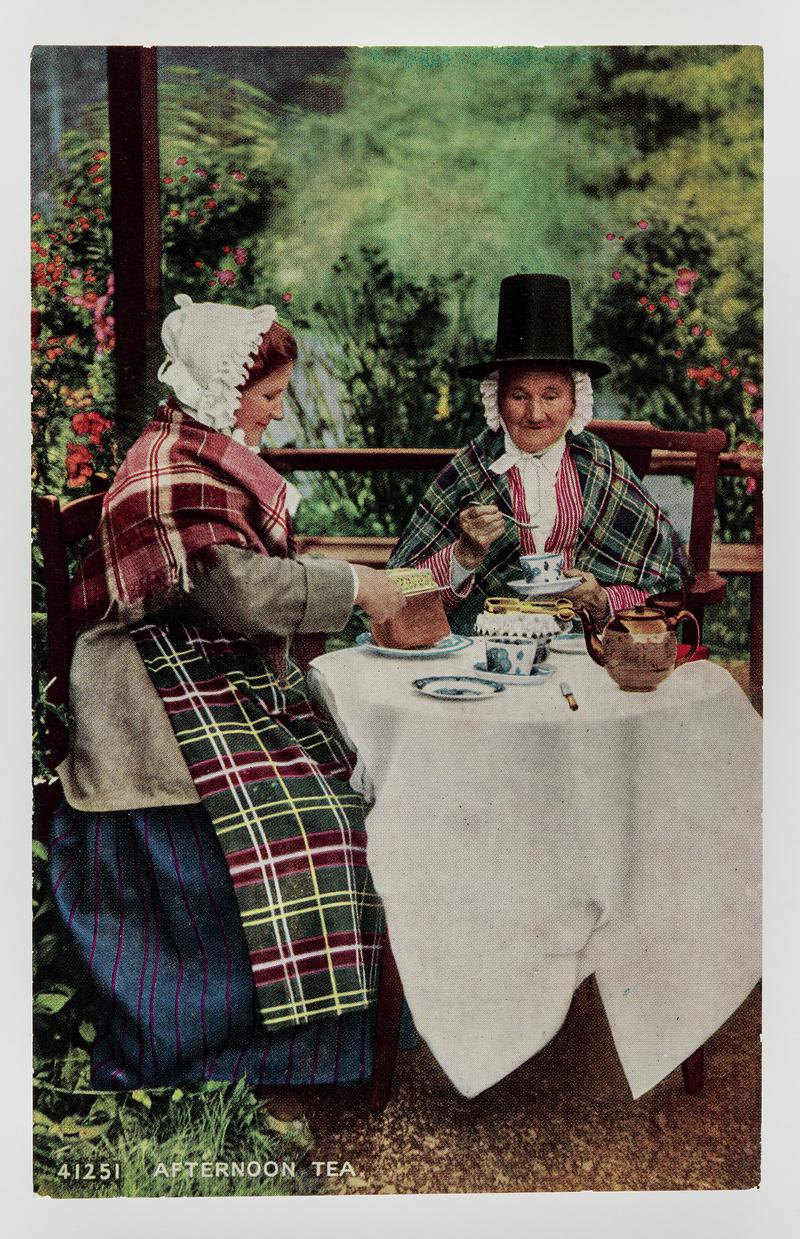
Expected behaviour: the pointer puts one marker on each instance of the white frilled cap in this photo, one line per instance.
(208, 348)
(584, 401)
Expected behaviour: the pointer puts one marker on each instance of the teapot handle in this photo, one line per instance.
(687, 615)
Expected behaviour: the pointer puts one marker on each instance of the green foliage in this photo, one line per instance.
(450, 159)
(395, 346)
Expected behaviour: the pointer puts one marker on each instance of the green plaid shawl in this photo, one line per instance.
(623, 538)
(273, 778)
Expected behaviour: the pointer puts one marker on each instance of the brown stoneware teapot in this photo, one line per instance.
(638, 645)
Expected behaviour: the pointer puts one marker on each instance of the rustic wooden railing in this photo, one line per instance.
(729, 559)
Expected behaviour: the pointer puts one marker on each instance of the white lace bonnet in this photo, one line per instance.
(208, 349)
(584, 401)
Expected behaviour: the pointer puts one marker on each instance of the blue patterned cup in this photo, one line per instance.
(515, 655)
(542, 569)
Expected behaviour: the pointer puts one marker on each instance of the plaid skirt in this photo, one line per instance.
(147, 900)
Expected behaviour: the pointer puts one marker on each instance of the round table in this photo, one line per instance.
(519, 846)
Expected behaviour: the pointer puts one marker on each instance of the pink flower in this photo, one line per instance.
(240, 256)
(751, 486)
(696, 331)
(181, 161)
(76, 273)
(239, 176)
(616, 275)
(750, 388)
(610, 236)
(642, 224)
(683, 286)
(199, 172)
(225, 277)
(215, 185)
(674, 304)
(651, 307)
(286, 297)
(758, 417)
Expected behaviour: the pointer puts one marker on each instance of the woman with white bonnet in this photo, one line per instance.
(209, 860)
(535, 480)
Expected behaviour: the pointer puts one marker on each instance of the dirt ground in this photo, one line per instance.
(565, 1121)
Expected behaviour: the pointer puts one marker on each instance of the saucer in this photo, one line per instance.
(536, 676)
(457, 687)
(544, 590)
(447, 645)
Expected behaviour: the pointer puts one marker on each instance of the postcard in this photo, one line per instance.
(397, 425)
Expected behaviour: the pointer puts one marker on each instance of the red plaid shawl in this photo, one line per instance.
(182, 490)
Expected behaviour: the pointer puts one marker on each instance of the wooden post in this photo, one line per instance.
(136, 232)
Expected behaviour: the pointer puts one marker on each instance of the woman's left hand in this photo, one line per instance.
(589, 594)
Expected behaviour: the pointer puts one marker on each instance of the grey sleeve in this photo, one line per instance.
(253, 594)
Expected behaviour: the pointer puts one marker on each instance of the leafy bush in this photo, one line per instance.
(394, 347)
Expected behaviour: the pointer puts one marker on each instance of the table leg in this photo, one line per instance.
(693, 1072)
(387, 1028)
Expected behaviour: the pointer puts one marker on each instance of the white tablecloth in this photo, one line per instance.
(519, 847)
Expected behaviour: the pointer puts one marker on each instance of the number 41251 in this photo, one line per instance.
(86, 1171)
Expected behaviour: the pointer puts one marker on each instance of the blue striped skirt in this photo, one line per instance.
(148, 903)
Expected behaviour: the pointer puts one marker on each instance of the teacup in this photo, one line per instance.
(515, 655)
(542, 569)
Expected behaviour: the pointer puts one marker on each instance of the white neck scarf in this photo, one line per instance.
(539, 472)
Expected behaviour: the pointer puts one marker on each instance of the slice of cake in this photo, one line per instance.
(422, 621)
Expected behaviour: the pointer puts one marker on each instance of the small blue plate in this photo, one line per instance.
(448, 645)
(457, 687)
(536, 676)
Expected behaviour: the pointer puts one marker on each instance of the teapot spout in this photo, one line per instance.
(594, 646)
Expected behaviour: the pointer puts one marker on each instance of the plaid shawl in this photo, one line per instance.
(181, 490)
(623, 538)
(273, 778)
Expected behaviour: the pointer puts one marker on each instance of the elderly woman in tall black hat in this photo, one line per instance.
(536, 480)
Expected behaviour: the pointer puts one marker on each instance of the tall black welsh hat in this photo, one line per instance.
(534, 326)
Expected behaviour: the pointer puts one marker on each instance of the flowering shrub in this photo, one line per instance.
(657, 317)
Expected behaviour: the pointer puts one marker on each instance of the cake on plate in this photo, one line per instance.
(422, 621)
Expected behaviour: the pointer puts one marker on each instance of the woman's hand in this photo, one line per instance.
(589, 594)
(480, 527)
(378, 594)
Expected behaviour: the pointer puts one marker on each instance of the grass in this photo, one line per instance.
(138, 1136)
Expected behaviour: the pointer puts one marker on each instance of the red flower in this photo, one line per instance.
(616, 275)
(679, 321)
(100, 155)
(91, 424)
(198, 263)
(708, 332)
(679, 352)
(95, 167)
(239, 176)
(643, 224)
(97, 180)
(174, 213)
(674, 304)
(166, 180)
(651, 307)
(642, 301)
(609, 236)
(225, 277)
(215, 185)
(717, 376)
(183, 179)
(758, 417)
(734, 370)
(226, 249)
(240, 256)
(181, 161)
(620, 238)
(78, 464)
(664, 298)
(36, 216)
(286, 297)
(696, 330)
(750, 388)
(199, 172)
(725, 362)
(210, 204)
(193, 213)
(99, 214)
